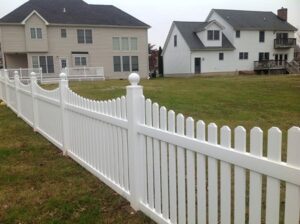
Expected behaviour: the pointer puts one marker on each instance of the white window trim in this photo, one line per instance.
(81, 56)
(36, 33)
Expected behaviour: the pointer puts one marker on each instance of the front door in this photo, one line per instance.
(197, 65)
(63, 63)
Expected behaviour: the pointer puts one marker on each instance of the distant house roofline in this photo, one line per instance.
(72, 12)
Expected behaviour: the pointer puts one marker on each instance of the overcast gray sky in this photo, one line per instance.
(159, 14)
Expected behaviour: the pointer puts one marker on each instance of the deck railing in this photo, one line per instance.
(284, 43)
(269, 65)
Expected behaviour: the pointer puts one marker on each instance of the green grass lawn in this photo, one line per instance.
(39, 185)
(263, 101)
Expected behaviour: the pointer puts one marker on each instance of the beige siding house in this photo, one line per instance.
(71, 33)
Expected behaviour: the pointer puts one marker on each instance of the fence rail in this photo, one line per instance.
(173, 169)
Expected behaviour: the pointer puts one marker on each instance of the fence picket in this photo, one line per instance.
(172, 170)
(201, 177)
(255, 192)
(181, 173)
(225, 179)
(120, 145)
(143, 154)
(273, 185)
(115, 144)
(190, 160)
(156, 159)
(164, 166)
(239, 178)
(292, 201)
(125, 144)
(212, 137)
(150, 169)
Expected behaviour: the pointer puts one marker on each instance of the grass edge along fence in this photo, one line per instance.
(171, 168)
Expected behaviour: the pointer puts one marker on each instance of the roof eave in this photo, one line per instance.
(86, 25)
(213, 49)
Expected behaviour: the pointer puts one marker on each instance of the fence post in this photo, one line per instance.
(63, 86)
(6, 78)
(135, 115)
(33, 81)
(17, 86)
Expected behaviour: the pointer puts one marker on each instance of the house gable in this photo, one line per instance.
(212, 26)
(34, 13)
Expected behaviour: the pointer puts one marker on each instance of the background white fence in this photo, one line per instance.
(169, 167)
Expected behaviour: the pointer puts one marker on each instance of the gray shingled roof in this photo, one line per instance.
(77, 12)
(188, 31)
(250, 20)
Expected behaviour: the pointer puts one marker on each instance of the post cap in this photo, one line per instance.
(32, 75)
(63, 76)
(134, 79)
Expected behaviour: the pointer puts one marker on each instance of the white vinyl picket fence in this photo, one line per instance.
(171, 168)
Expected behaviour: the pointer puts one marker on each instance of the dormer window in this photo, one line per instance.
(175, 41)
(213, 35)
(36, 33)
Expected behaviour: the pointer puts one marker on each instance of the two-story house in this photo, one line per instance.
(229, 41)
(71, 33)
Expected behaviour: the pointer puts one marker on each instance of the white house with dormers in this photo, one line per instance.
(230, 41)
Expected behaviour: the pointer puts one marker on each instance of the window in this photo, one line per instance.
(134, 63)
(216, 35)
(45, 62)
(33, 33)
(125, 44)
(263, 56)
(221, 56)
(63, 33)
(282, 35)
(243, 55)
(116, 44)
(238, 34)
(117, 63)
(133, 43)
(35, 62)
(63, 63)
(36, 33)
(80, 60)
(210, 35)
(126, 63)
(261, 36)
(84, 36)
(175, 40)
(285, 57)
(88, 36)
(39, 33)
(213, 35)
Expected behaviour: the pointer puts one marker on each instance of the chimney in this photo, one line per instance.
(282, 14)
